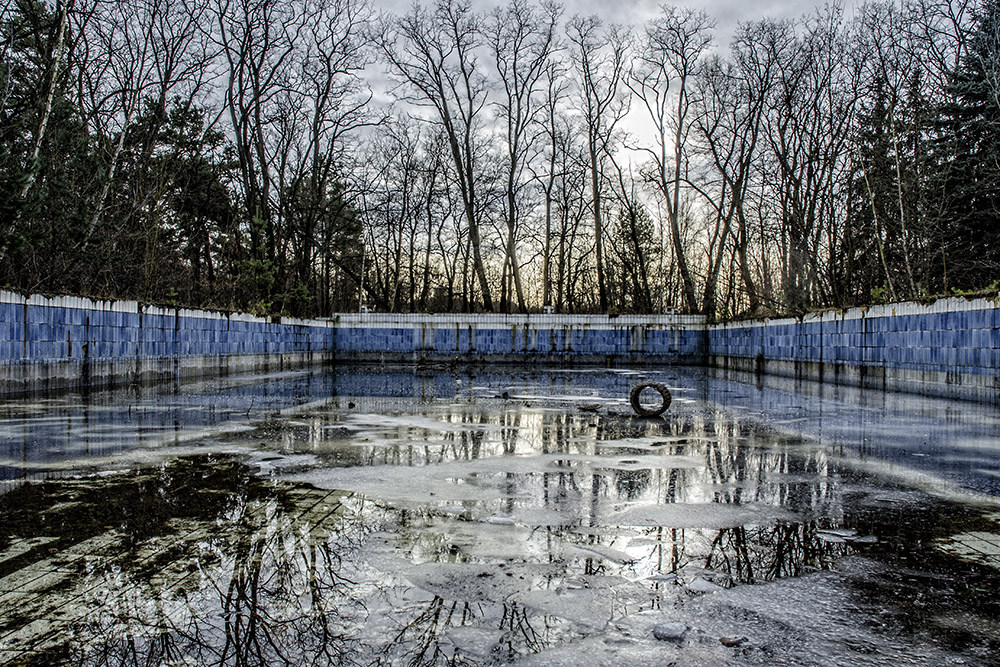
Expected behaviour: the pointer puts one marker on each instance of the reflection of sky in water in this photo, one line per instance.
(955, 442)
(951, 441)
(63, 433)
(504, 457)
(419, 517)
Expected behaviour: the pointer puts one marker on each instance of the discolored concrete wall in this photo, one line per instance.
(56, 343)
(948, 348)
(587, 339)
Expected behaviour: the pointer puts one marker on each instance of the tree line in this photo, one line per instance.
(313, 156)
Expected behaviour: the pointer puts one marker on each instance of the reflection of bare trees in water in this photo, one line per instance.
(763, 553)
(741, 463)
(668, 552)
(425, 640)
(287, 595)
(519, 635)
(559, 488)
(509, 436)
(419, 642)
(631, 484)
(268, 584)
(278, 577)
(747, 466)
(273, 582)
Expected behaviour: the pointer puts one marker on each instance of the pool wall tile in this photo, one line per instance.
(62, 342)
(950, 347)
(946, 348)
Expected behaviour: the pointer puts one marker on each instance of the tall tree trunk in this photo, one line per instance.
(595, 198)
(57, 58)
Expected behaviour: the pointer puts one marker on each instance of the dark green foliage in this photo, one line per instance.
(887, 220)
(43, 200)
(967, 162)
(172, 225)
(632, 255)
(925, 192)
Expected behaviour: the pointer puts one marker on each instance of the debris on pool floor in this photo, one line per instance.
(468, 529)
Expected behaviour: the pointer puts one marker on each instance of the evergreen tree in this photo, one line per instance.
(47, 157)
(967, 161)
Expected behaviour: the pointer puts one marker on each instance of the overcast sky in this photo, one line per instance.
(726, 13)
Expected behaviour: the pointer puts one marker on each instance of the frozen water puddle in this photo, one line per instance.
(491, 533)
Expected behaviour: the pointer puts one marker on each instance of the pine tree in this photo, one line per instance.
(967, 161)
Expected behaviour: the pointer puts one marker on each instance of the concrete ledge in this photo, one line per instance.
(586, 339)
(493, 320)
(561, 359)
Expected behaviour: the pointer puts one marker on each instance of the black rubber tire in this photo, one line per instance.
(644, 412)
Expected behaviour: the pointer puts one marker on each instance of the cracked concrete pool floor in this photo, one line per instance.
(976, 546)
(465, 529)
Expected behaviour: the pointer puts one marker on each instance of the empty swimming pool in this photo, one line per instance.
(403, 515)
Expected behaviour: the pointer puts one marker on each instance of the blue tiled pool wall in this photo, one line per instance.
(35, 332)
(49, 341)
(935, 340)
(963, 340)
(448, 341)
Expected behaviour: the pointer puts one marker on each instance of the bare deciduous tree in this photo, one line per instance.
(675, 43)
(434, 55)
(599, 57)
(522, 39)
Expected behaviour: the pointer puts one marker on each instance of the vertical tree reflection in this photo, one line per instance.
(229, 569)
(763, 553)
(264, 581)
(420, 642)
(425, 640)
